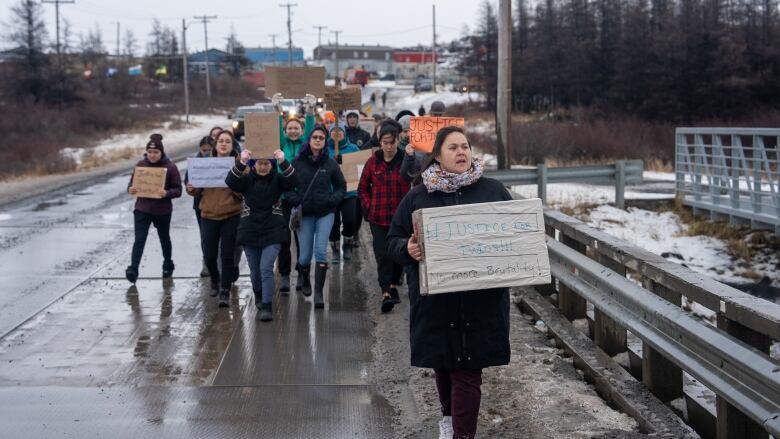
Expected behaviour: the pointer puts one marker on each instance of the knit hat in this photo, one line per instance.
(155, 142)
(437, 108)
(405, 122)
(329, 117)
(352, 113)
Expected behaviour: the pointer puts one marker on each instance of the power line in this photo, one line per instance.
(289, 7)
(206, 19)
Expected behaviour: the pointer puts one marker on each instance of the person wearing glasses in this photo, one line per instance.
(321, 188)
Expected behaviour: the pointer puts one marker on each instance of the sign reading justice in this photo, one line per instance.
(423, 129)
(483, 246)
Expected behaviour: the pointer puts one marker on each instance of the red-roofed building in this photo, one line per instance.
(411, 64)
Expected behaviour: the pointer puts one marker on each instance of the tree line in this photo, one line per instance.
(671, 60)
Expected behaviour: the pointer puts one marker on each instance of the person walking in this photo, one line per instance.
(384, 98)
(292, 132)
(262, 227)
(355, 134)
(204, 150)
(220, 215)
(154, 211)
(381, 189)
(345, 214)
(321, 187)
(455, 334)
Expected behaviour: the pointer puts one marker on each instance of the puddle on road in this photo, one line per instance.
(47, 204)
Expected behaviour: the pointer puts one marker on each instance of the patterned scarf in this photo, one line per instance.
(435, 179)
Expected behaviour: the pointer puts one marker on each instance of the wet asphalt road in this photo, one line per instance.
(84, 354)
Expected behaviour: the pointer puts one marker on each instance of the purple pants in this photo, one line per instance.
(460, 394)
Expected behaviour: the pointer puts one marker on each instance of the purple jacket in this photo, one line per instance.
(163, 206)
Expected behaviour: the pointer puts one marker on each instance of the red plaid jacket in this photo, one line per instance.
(381, 188)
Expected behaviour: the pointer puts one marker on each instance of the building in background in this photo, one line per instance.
(377, 58)
(219, 62)
(261, 57)
(411, 64)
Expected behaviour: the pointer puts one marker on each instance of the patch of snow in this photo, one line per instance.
(572, 195)
(413, 102)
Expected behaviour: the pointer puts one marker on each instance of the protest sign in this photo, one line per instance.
(149, 181)
(339, 99)
(482, 246)
(206, 172)
(262, 134)
(295, 82)
(352, 166)
(423, 129)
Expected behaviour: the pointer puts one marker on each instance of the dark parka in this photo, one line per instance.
(328, 189)
(262, 223)
(160, 206)
(465, 330)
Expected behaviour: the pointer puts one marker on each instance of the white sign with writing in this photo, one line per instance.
(482, 246)
(209, 171)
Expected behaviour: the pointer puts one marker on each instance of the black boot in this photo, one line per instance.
(284, 284)
(347, 248)
(320, 272)
(258, 298)
(214, 287)
(131, 273)
(303, 280)
(334, 246)
(266, 312)
(224, 298)
(167, 269)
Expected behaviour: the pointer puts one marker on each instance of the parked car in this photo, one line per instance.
(290, 107)
(241, 112)
(389, 77)
(423, 84)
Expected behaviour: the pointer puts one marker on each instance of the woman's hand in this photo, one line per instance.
(414, 248)
(409, 149)
(245, 156)
(190, 187)
(163, 193)
(132, 190)
(279, 156)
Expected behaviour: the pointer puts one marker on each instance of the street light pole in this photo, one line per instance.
(186, 71)
(205, 19)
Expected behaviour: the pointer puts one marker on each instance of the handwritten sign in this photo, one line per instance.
(343, 98)
(482, 246)
(423, 129)
(148, 181)
(352, 166)
(262, 134)
(209, 171)
(295, 82)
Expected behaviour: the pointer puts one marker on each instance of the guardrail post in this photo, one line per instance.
(733, 424)
(570, 303)
(660, 375)
(541, 182)
(620, 184)
(609, 335)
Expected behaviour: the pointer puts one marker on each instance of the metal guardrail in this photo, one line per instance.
(732, 359)
(622, 173)
(732, 173)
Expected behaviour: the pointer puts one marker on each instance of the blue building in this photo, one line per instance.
(259, 57)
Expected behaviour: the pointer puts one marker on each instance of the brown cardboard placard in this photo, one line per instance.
(261, 134)
(352, 166)
(295, 82)
(338, 99)
(423, 130)
(488, 245)
(148, 181)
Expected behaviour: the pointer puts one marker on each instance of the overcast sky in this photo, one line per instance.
(394, 22)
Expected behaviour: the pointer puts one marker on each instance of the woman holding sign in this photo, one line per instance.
(456, 334)
(321, 187)
(262, 228)
(345, 213)
(382, 186)
(220, 210)
(154, 208)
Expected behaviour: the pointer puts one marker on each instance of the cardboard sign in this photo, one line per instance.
(207, 172)
(352, 167)
(261, 134)
(295, 82)
(482, 246)
(339, 99)
(423, 129)
(148, 181)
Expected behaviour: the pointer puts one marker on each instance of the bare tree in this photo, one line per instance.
(28, 34)
(131, 44)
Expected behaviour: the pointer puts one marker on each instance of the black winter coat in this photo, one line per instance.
(326, 192)
(262, 223)
(464, 330)
(358, 136)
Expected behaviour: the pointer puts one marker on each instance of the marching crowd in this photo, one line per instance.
(298, 198)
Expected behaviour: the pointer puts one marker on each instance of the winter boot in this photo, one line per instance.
(284, 284)
(167, 269)
(320, 272)
(131, 273)
(395, 296)
(224, 298)
(214, 287)
(204, 272)
(266, 313)
(258, 298)
(347, 248)
(334, 246)
(303, 280)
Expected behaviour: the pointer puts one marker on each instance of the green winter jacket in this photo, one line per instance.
(289, 147)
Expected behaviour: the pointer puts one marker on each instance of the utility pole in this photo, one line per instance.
(433, 52)
(118, 53)
(338, 74)
(186, 70)
(273, 43)
(289, 7)
(319, 41)
(57, 4)
(205, 19)
(504, 98)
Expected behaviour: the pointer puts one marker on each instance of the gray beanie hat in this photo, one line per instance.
(405, 121)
